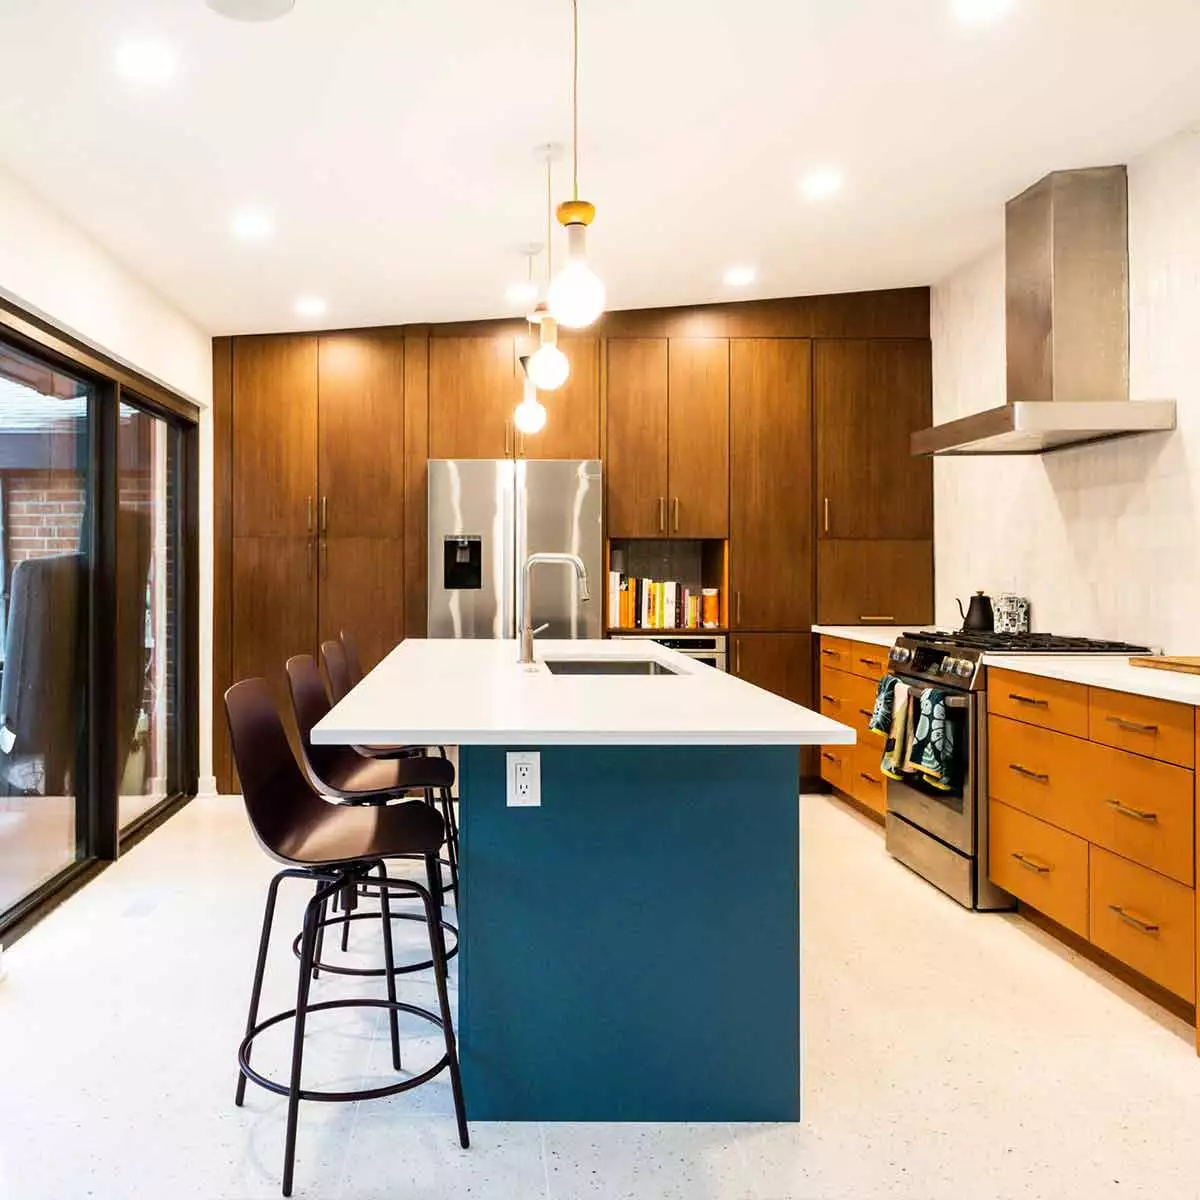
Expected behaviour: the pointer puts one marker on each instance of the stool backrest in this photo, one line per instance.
(353, 658)
(279, 801)
(337, 670)
(310, 704)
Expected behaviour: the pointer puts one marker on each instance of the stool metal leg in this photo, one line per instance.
(316, 972)
(451, 839)
(435, 880)
(259, 969)
(438, 943)
(389, 963)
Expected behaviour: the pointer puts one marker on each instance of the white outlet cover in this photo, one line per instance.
(524, 779)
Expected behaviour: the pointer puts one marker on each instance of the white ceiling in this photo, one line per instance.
(393, 139)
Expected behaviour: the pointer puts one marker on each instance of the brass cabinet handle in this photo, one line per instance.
(676, 521)
(832, 700)
(1036, 776)
(832, 653)
(868, 778)
(1131, 726)
(323, 561)
(870, 662)
(737, 658)
(662, 514)
(738, 599)
(324, 514)
(308, 514)
(863, 712)
(1127, 810)
(1028, 700)
(1031, 864)
(1131, 918)
(886, 617)
(308, 551)
(508, 431)
(826, 514)
(829, 757)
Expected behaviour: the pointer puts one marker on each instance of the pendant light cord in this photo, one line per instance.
(575, 99)
(549, 216)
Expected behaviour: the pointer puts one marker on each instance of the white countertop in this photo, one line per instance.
(876, 635)
(467, 692)
(1104, 671)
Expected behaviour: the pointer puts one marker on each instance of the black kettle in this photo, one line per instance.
(979, 617)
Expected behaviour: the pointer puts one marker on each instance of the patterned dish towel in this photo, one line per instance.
(881, 714)
(895, 753)
(932, 750)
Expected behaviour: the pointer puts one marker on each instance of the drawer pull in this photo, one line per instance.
(870, 662)
(865, 712)
(1133, 919)
(1127, 810)
(829, 757)
(831, 653)
(1032, 700)
(1131, 726)
(1032, 864)
(885, 617)
(1036, 776)
(869, 778)
(832, 700)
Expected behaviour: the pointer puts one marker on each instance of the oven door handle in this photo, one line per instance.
(956, 700)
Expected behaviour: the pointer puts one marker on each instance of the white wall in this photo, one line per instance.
(1104, 539)
(50, 267)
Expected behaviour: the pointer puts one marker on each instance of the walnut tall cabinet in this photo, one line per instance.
(779, 428)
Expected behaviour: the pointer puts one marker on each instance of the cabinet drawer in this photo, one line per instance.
(1038, 771)
(871, 662)
(836, 652)
(847, 698)
(1050, 703)
(1044, 866)
(1145, 920)
(868, 784)
(1140, 809)
(835, 766)
(1157, 728)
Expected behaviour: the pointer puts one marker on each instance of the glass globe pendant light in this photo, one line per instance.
(547, 367)
(530, 415)
(576, 295)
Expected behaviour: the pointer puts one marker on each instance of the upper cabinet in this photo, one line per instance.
(870, 396)
(361, 435)
(474, 386)
(573, 412)
(668, 437)
(698, 437)
(636, 461)
(771, 525)
(274, 436)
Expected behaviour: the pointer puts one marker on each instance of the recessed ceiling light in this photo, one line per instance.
(252, 224)
(821, 183)
(521, 293)
(981, 12)
(311, 306)
(740, 276)
(145, 60)
(252, 10)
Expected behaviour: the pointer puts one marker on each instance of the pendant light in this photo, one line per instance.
(576, 295)
(530, 415)
(547, 367)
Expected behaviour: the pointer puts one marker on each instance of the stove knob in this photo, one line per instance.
(965, 667)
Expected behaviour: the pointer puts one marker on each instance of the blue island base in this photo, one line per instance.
(630, 950)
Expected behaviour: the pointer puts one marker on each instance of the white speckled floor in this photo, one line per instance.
(948, 1055)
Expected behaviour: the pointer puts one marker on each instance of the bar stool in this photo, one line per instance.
(337, 847)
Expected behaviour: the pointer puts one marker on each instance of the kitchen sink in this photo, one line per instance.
(606, 666)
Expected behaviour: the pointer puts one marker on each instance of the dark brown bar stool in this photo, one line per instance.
(337, 847)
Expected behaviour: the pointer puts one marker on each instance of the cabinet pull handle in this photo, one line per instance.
(885, 617)
(1127, 810)
(826, 514)
(737, 658)
(508, 446)
(1131, 726)
(831, 699)
(870, 662)
(323, 562)
(829, 757)
(324, 514)
(1031, 700)
(1036, 776)
(831, 653)
(308, 551)
(1131, 918)
(868, 778)
(308, 514)
(676, 514)
(865, 712)
(662, 514)
(738, 597)
(1032, 864)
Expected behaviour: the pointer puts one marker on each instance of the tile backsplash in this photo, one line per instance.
(1105, 539)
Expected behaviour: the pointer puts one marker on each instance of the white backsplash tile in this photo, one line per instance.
(1105, 540)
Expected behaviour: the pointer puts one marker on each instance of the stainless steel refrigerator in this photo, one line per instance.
(486, 516)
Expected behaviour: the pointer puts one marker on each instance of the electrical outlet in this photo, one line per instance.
(524, 779)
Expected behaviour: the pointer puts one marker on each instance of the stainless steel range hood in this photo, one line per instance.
(1066, 309)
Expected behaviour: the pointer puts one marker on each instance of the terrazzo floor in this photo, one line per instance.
(948, 1054)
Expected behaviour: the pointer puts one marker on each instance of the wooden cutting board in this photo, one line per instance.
(1188, 664)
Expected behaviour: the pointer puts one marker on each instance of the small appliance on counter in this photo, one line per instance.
(978, 617)
(1012, 613)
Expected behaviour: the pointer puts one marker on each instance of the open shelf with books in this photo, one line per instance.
(666, 585)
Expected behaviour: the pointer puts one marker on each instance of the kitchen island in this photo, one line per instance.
(630, 946)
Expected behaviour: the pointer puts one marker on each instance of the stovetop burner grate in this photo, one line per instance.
(1024, 643)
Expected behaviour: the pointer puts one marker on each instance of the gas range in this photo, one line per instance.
(955, 660)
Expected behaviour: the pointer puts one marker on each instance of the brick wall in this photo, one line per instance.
(44, 513)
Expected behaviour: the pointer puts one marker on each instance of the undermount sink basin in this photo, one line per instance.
(606, 666)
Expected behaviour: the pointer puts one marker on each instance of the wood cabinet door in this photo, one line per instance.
(636, 451)
(362, 592)
(861, 582)
(274, 436)
(870, 396)
(573, 412)
(771, 516)
(274, 611)
(361, 435)
(698, 437)
(473, 389)
(781, 663)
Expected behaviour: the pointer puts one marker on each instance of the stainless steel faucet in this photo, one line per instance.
(571, 560)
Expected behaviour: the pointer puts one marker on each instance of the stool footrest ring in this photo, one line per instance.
(377, 972)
